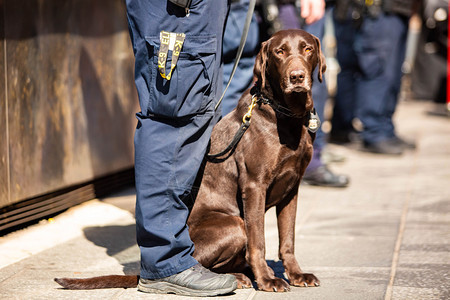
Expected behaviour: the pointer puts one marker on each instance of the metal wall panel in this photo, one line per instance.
(71, 95)
(4, 198)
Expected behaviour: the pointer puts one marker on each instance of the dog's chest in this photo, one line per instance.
(285, 177)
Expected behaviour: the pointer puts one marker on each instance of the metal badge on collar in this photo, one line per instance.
(314, 121)
(169, 41)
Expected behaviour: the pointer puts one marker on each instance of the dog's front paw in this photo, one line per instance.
(273, 285)
(304, 280)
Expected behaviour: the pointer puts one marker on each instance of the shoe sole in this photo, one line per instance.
(169, 288)
(325, 185)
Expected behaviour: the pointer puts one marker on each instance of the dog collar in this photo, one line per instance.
(312, 122)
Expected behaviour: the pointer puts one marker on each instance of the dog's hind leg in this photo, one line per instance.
(220, 242)
(220, 246)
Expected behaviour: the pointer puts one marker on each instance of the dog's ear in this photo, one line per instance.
(320, 59)
(259, 70)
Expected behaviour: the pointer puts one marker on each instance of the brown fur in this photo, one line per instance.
(264, 170)
(100, 282)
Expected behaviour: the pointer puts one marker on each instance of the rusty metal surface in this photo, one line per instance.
(3, 129)
(71, 95)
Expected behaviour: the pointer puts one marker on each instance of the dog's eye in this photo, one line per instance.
(279, 51)
(308, 50)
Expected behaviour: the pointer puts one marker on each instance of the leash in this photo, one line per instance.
(246, 119)
(237, 137)
(248, 20)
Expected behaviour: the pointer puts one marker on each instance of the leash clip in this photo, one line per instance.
(248, 115)
(237, 137)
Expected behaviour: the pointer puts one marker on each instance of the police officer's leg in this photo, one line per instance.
(380, 50)
(244, 73)
(344, 101)
(395, 63)
(173, 129)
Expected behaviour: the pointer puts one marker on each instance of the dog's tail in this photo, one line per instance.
(101, 282)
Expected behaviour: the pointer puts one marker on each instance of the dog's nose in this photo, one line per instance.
(297, 76)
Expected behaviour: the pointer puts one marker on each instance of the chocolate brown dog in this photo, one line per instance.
(263, 170)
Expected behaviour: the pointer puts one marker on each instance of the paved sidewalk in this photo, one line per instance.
(387, 236)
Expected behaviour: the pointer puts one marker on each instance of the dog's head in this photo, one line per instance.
(284, 68)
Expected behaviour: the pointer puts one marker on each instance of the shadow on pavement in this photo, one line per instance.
(120, 243)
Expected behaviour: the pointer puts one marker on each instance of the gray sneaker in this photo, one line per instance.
(195, 281)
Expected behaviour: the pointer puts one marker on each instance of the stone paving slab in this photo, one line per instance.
(386, 236)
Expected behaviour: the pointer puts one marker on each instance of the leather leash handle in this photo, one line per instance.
(248, 20)
(237, 137)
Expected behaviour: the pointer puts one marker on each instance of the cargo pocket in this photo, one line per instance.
(190, 89)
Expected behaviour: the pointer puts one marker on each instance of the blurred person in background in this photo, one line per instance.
(429, 73)
(371, 40)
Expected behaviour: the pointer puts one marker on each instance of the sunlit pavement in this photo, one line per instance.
(386, 236)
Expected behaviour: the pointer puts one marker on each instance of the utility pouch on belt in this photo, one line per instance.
(400, 7)
(342, 9)
(183, 3)
(358, 9)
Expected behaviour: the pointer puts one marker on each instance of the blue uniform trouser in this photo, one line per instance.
(290, 19)
(232, 38)
(174, 125)
(370, 58)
